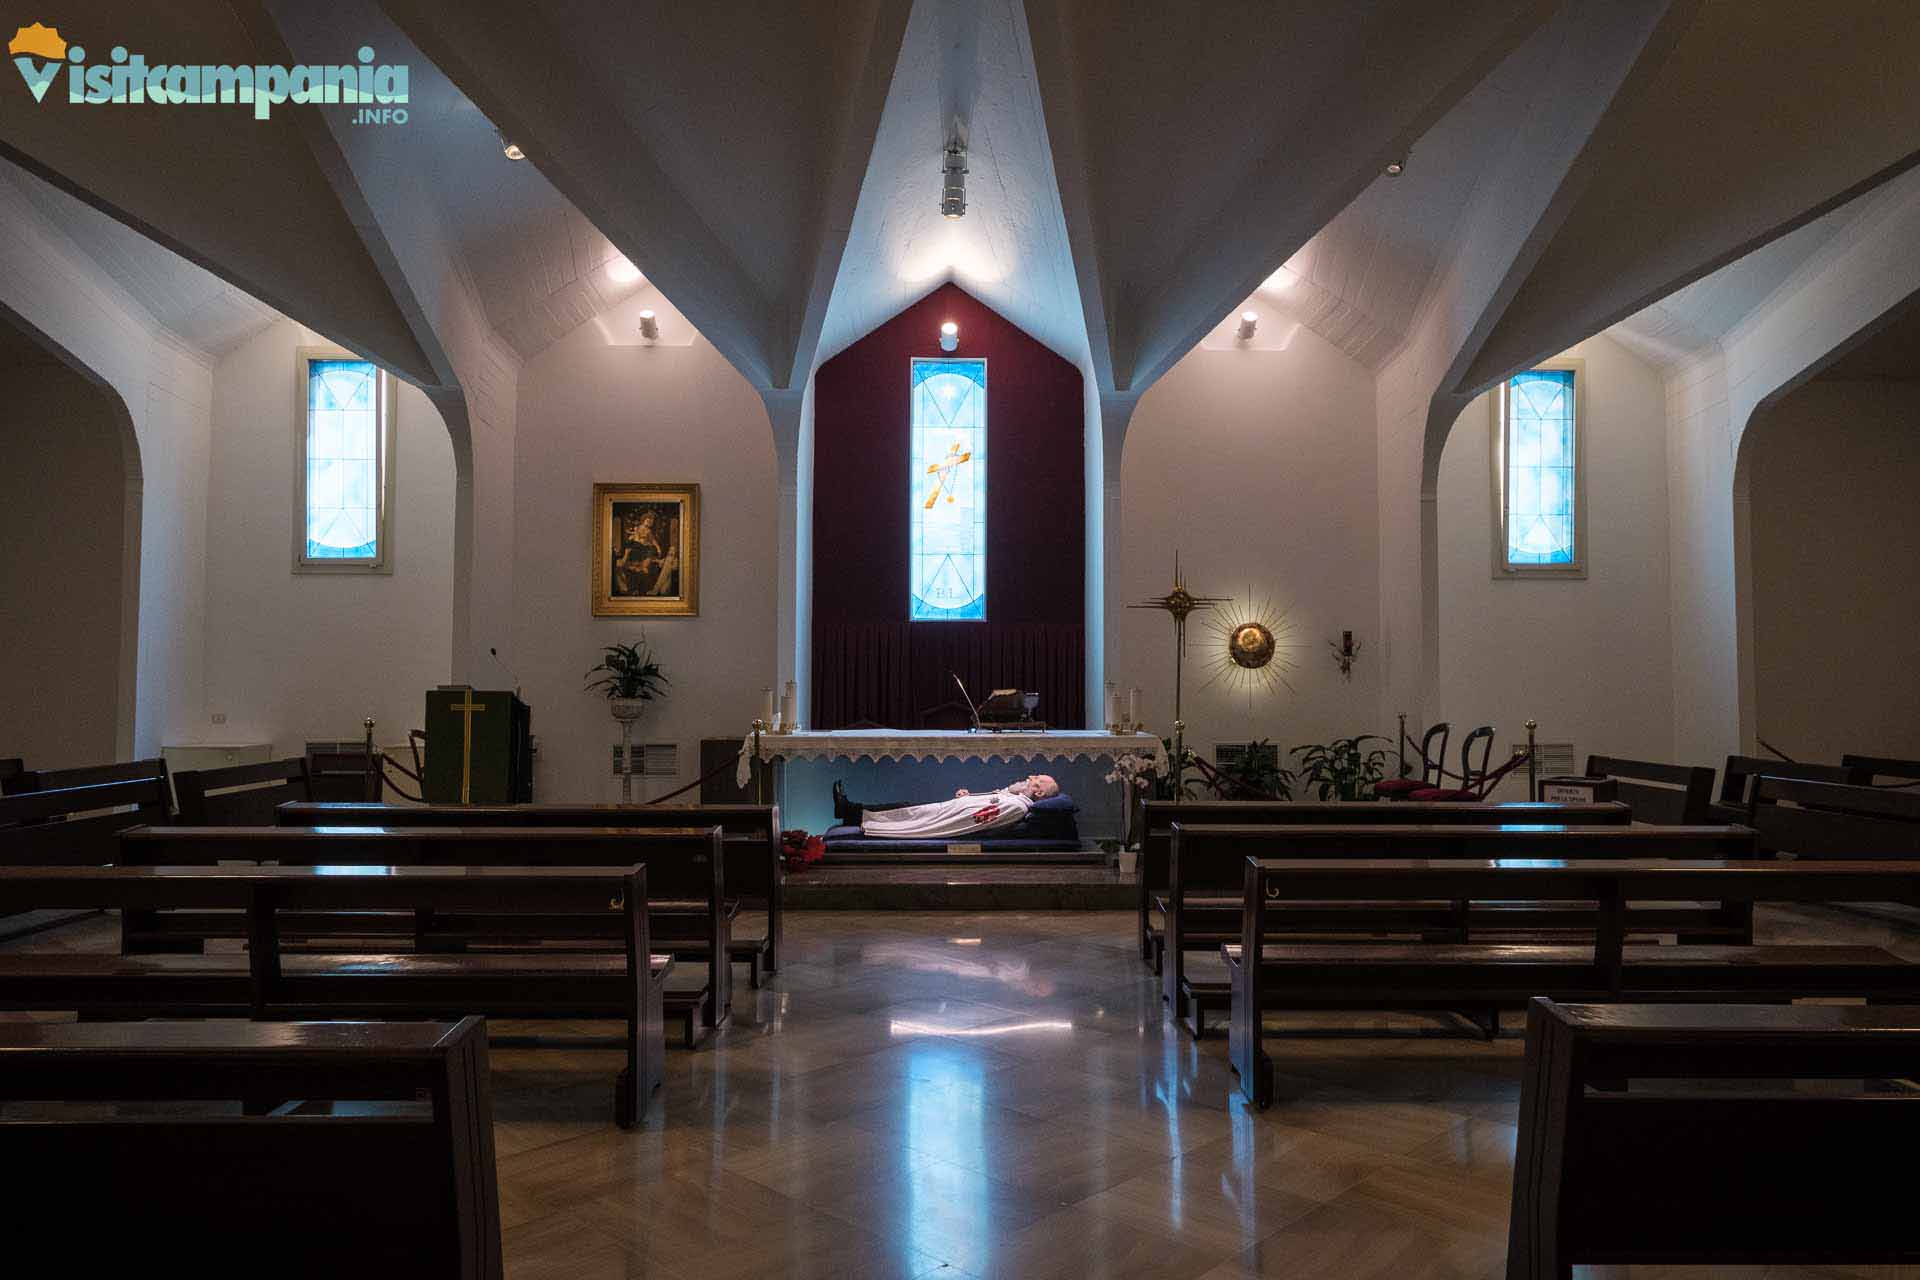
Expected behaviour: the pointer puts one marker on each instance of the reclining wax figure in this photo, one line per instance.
(965, 814)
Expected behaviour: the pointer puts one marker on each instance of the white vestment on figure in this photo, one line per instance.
(947, 819)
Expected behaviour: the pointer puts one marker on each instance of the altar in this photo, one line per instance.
(883, 765)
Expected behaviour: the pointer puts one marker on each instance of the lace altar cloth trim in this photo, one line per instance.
(952, 744)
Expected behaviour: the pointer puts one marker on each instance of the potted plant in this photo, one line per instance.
(1343, 769)
(1255, 774)
(629, 677)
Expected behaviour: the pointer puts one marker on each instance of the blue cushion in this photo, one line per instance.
(1055, 804)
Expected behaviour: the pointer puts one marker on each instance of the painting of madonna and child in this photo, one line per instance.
(646, 549)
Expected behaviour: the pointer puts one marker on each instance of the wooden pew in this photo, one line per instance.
(690, 916)
(1206, 872)
(1453, 976)
(1666, 795)
(755, 875)
(412, 1193)
(91, 775)
(1158, 817)
(1887, 767)
(270, 981)
(1827, 820)
(1735, 1176)
(242, 795)
(1742, 772)
(72, 826)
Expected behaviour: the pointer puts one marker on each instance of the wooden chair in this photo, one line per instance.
(1432, 762)
(242, 795)
(1475, 782)
(408, 1191)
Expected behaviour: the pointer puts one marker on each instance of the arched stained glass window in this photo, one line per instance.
(947, 492)
(345, 464)
(1540, 520)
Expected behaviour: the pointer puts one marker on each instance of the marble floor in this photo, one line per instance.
(972, 1095)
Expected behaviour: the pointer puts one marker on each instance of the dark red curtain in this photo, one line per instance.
(869, 663)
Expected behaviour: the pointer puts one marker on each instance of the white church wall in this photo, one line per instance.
(293, 657)
(1589, 659)
(1835, 531)
(63, 501)
(1257, 466)
(1702, 618)
(595, 407)
(165, 394)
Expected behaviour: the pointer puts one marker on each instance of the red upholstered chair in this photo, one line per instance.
(1474, 783)
(1431, 759)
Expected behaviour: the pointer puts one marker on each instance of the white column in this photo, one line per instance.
(791, 413)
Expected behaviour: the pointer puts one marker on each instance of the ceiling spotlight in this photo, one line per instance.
(620, 271)
(949, 336)
(953, 181)
(649, 326)
(1398, 165)
(1249, 321)
(511, 149)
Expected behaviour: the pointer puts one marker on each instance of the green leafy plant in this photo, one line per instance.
(1344, 769)
(1255, 774)
(1163, 782)
(629, 671)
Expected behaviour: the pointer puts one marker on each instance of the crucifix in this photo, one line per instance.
(466, 707)
(944, 470)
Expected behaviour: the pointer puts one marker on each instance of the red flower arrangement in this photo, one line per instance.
(798, 850)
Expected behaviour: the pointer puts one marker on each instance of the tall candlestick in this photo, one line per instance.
(1133, 706)
(766, 704)
(789, 707)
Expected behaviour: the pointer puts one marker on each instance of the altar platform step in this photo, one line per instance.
(951, 887)
(964, 858)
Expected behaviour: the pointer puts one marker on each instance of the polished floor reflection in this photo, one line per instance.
(997, 1095)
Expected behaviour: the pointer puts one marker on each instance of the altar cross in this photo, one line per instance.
(466, 707)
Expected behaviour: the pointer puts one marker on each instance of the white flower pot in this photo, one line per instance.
(1129, 859)
(626, 710)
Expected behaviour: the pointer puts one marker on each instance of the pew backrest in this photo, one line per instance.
(372, 1194)
(1888, 767)
(77, 826)
(1742, 772)
(240, 795)
(1828, 820)
(1667, 795)
(86, 776)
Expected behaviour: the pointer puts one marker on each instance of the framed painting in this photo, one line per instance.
(646, 550)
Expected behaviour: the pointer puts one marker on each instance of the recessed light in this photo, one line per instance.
(1249, 321)
(620, 271)
(949, 336)
(1398, 165)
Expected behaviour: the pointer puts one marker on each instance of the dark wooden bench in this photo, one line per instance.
(1202, 906)
(242, 795)
(411, 1191)
(1451, 977)
(1887, 767)
(269, 981)
(91, 775)
(750, 833)
(1827, 820)
(691, 915)
(1749, 1173)
(1665, 795)
(1742, 773)
(1158, 816)
(72, 826)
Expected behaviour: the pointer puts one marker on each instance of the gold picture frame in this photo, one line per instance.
(639, 568)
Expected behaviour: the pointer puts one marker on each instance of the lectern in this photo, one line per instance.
(479, 748)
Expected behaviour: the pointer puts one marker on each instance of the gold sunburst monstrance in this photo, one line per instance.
(1253, 648)
(1178, 604)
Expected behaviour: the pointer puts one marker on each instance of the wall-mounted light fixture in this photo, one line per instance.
(621, 271)
(511, 149)
(953, 180)
(1249, 321)
(649, 326)
(1398, 165)
(949, 336)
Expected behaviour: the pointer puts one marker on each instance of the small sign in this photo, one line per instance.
(1573, 790)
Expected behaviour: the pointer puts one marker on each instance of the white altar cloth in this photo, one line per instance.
(949, 744)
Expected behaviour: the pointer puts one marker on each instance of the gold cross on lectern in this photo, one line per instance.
(467, 708)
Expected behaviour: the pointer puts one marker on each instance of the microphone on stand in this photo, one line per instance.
(971, 709)
(501, 663)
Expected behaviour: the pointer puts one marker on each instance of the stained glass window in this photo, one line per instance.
(947, 492)
(345, 461)
(1540, 482)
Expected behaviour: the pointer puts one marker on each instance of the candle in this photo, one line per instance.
(789, 707)
(766, 708)
(1113, 706)
(1133, 706)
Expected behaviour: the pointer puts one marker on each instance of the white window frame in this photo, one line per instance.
(1503, 569)
(383, 408)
